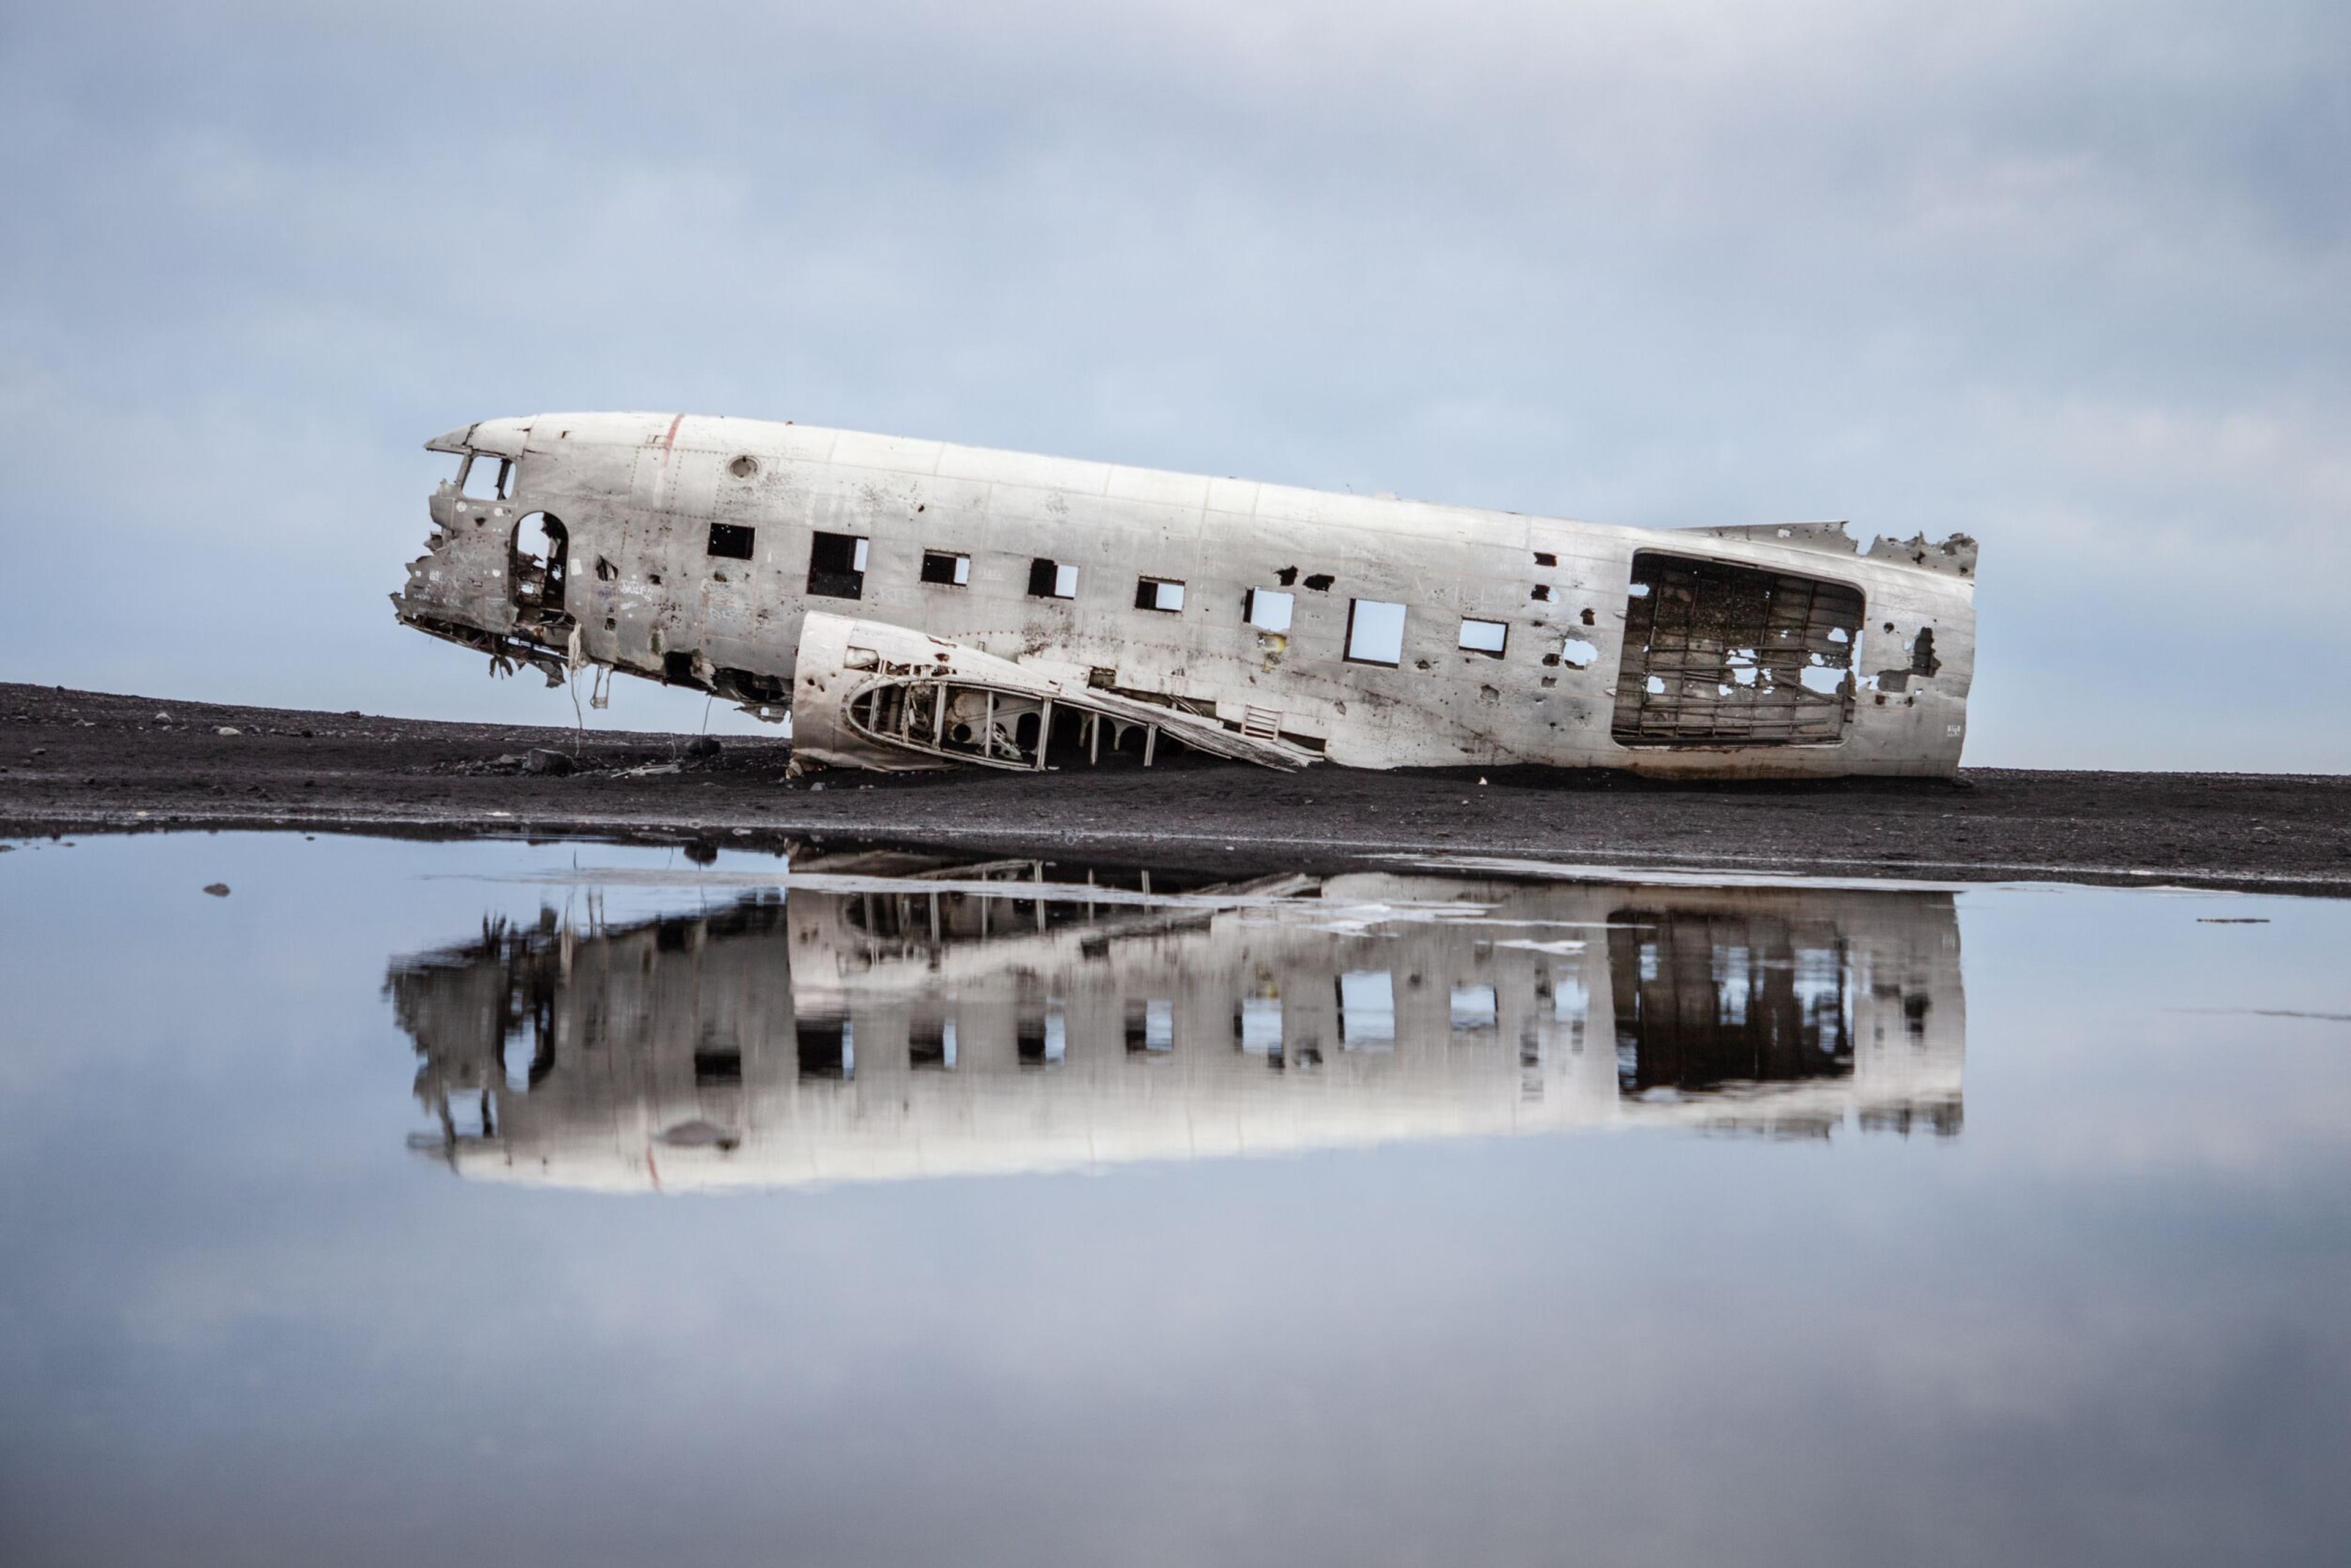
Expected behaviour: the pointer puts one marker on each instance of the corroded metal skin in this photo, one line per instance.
(1368, 631)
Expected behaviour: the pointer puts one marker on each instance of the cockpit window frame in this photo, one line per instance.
(501, 488)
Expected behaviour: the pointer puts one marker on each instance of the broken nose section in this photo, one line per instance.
(872, 696)
(476, 585)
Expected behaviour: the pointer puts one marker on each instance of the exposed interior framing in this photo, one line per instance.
(1717, 654)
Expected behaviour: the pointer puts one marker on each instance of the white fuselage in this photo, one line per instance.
(1374, 631)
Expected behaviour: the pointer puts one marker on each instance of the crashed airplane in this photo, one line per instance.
(913, 604)
(916, 1017)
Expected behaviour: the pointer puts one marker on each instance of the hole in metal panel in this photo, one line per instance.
(1053, 580)
(837, 566)
(1487, 637)
(1268, 609)
(1374, 631)
(1719, 655)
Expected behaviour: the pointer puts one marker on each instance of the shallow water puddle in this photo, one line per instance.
(372, 1209)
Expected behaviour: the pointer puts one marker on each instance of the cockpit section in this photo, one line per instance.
(495, 574)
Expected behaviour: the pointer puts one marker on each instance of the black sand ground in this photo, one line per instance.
(85, 762)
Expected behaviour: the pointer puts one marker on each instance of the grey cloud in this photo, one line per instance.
(2068, 277)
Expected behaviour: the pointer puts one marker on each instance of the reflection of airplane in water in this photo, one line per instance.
(941, 1020)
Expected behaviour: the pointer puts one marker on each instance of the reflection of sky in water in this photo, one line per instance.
(242, 1320)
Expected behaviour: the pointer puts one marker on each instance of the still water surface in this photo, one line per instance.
(513, 1204)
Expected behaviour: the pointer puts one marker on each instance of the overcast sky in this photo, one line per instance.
(2073, 277)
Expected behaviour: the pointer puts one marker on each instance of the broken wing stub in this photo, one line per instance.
(869, 695)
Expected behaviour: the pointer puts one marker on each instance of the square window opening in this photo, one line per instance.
(1159, 593)
(931, 1045)
(1367, 1010)
(485, 476)
(1487, 637)
(1259, 1025)
(947, 569)
(1472, 1008)
(837, 566)
(827, 1048)
(1041, 1037)
(1268, 609)
(1721, 654)
(1374, 632)
(1052, 578)
(732, 541)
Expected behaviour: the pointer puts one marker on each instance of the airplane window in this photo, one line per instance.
(1367, 1010)
(828, 1047)
(1053, 580)
(947, 569)
(1156, 593)
(931, 1043)
(1374, 631)
(484, 477)
(1040, 1036)
(1487, 637)
(1268, 609)
(731, 540)
(1472, 1008)
(1150, 1024)
(837, 566)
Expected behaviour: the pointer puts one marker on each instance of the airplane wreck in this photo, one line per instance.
(914, 604)
(918, 1018)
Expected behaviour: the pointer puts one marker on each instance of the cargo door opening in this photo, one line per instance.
(1717, 654)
